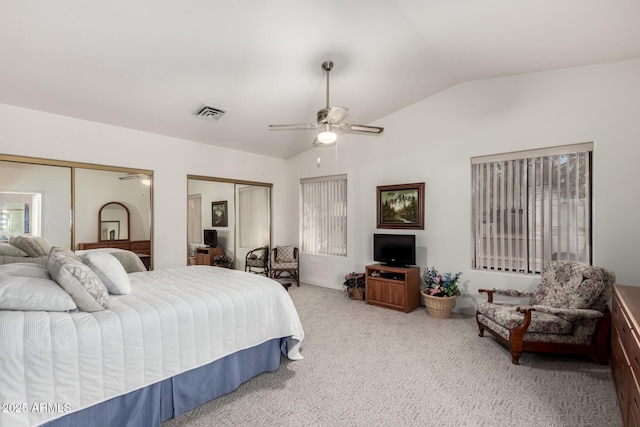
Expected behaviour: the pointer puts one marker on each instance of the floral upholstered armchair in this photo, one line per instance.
(567, 313)
(284, 263)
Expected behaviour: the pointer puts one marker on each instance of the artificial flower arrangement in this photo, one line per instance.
(441, 285)
(354, 281)
(222, 261)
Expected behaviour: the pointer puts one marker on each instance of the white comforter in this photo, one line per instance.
(174, 320)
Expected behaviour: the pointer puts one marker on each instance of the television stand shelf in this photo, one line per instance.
(397, 288)
(204, 256)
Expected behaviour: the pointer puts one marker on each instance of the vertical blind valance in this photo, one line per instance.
(531, 210)
(324, 215)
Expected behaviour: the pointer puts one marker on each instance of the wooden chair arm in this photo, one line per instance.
(489, 293)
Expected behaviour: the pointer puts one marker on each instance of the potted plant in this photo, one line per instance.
(440, 292)
(354, 285)
(222, 261)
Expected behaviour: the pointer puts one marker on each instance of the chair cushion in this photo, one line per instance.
(255, 262)
(563, 285)
(507, 316)
(284, 265)
(284, 254)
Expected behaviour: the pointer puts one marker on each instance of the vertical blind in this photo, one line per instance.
(194, 220)
(324, 215)
(253, 213)
(532, 207)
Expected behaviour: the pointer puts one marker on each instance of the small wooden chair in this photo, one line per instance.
(284, 263)
(257, 259)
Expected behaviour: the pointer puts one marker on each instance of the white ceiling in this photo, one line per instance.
(150, 65)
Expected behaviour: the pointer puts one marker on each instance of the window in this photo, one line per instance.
(532, 207)
(324, 215)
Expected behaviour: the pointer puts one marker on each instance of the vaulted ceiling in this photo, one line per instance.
(150, 65)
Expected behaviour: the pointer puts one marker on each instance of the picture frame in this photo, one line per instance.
(400, 206)
(219, 214)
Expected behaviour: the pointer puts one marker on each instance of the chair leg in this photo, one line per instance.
(515, 357)
(480, 327)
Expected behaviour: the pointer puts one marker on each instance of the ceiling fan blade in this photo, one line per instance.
(336, 114)
(368, 130)
(307, 126)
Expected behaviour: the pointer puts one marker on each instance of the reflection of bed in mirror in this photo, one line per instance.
(27, 249)
(38, 199)
(148, 349)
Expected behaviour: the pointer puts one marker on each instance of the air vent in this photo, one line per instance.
(210, 113)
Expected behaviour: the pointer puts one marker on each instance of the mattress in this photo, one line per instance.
(176, 319)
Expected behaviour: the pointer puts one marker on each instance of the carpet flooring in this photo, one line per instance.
(370, 366)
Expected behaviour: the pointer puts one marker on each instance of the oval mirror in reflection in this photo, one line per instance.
(113, 222)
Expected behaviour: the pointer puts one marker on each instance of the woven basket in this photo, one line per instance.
(439, 307)
(356, 294)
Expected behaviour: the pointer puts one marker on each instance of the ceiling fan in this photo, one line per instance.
(329, 121)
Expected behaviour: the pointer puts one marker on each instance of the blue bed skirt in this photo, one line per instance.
(151, 405)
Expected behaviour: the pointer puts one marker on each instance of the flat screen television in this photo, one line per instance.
(395, 249)
(211, 238)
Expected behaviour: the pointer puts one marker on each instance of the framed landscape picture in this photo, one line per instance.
(219, 216)
(400, 206)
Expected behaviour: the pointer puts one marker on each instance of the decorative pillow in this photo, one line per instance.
(43, 243)
(285, 254)
(110, 271)
(9, 250)
(84, 286)
(27, 244)
(33, 294)
(129, 260)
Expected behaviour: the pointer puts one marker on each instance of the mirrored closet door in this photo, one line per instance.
(61, 201)
(226, 218)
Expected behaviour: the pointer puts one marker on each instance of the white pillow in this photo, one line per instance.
(43, 243)
(33, 294)
(84, 286)
(27, 244)
(25, 269)
(9, 250)
(110, 271)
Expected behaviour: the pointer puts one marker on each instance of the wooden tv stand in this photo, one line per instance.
(397, 288)
(204, 256)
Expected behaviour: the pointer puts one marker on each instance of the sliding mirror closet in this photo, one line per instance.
(226, 219)
(62, 202)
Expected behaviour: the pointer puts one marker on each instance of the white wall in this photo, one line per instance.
(433, 141)
(32, 133)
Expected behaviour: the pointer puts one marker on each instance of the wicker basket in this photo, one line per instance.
(356, 294)
(439, 307)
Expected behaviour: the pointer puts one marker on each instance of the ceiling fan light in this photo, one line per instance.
(327, 137)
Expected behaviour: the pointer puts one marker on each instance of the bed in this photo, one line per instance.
(24, 249)
(181, 337)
